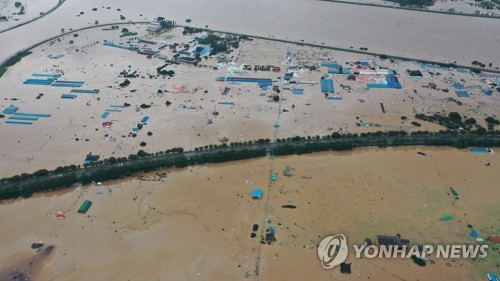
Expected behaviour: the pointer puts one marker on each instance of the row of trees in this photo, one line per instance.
(178, 150)
(11, 61)
(350, 143)
(220, 45)
(455, 121)
(418, 3)
(120, 171)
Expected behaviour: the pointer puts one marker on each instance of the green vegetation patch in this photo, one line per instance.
(11, 61)
(126, 34)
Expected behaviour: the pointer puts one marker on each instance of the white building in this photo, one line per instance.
(154, 26)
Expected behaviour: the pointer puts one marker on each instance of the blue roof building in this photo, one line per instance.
(11, 109)
(257, 194)
(327, 85)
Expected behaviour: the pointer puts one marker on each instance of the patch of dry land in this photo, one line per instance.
(196, 223)
(190, 108)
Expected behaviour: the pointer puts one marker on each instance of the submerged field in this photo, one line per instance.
(200, 222)
(191, 109)
(196, 223)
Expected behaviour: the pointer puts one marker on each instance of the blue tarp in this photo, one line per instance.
(264, 84)
(105, 115)
(462, 94)
(274, 176)
(491, 276)
(46, 75)
(70, 85)
(18, 122)
(426, 65)
(32, 114)
(247, 79)
(458, 86)
(327, 86)
(70, 82)
(480, 150)
(110, 44)
(257, 194)
(486, 92)
(68, 96)
(24, 118)
(330, 64)
(38, 81)
(204, 51)
(10, 110)
(82, 91)
(144, 119)
(393, 82)
(377, 85)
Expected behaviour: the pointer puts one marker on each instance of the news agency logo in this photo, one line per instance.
(333, 251)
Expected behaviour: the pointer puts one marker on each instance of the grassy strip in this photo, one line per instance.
(114, 168)
(111, 172)
(126, 34)
(412, 9)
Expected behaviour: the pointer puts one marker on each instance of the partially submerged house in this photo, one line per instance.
(257, 193)
(270, 237)
(387, 240)
(345, 268)
(85, 207)
(91, 158)
(190, 60)
(154, 26)
(495, 239)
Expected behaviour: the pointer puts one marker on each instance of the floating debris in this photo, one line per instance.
(287, 171)
(36, 245)
(446, 218)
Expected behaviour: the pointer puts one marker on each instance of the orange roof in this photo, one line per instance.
(495, 239)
